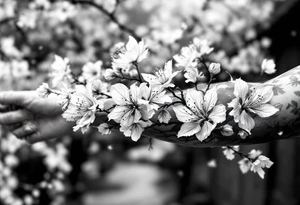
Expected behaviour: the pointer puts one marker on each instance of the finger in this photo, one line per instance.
(14, 97)
(15, 116)
(13, 126)
(26, 129)
(3, 108)
(49, 130)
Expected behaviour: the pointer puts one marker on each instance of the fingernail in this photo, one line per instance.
(30, 128)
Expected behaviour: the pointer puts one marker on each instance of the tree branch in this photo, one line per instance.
(111, 16)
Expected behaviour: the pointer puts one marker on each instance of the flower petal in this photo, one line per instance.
(120, 94)
(210, 99)
(265, 110)
(194, 100)
(235, 104)
(240, 89)
(246, 122)
(218, 114)
(136, 132)
(117, 113)
(189, 129)
(184, 114)
(206, 130)
(152, 79)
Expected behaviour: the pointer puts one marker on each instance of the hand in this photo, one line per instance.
(32, 118)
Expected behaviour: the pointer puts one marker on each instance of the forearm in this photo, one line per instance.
(283, 125)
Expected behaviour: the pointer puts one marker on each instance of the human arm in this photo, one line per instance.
(282, 125)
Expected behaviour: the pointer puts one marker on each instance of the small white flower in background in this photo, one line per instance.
(254, 153)
(60, 70)
(5, 70)
(164, 116)
(226, 130)
(212, 163)
(130, 105)
(7, 45)
(40, 4)
(92, 71)
(268, 66)
(104, 129)
(11, 160)
(167, 36)
(254, 100)
(193, 75)
(28, 200)
(62, 10)
(43, 90)
(214, 68)
(135, 130)
(28, 19)
(162, 77)
(202, 114)
(245, 165)
(99, 88)
(229, 151)
(58, 186)
(187, 57)
(202, 46)
(132, 52)
(20, 68)
(57, 158)
(260, 163)
(110, 74)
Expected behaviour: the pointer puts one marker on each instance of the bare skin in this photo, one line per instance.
(43, 116)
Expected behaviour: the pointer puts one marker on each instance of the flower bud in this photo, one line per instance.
(243, 134)
(268, 66)
(227, 130)
(109, 74)
(164, 116)
(214, 68)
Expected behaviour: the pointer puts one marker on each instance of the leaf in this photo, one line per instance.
(278, 90)
(297, 93)
(295, 104)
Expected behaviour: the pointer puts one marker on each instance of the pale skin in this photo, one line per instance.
(37, 119)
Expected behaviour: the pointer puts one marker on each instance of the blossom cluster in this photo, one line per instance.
(138, 100)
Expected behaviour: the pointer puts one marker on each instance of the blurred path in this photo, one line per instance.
(141, 184)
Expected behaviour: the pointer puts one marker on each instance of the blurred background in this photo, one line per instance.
(94, 169)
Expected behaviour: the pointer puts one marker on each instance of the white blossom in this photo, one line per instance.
(92, 71)
(60, 70)
(82, 108)
(135, 130)
(254, 100)
(104, 128)
(133, 52)
(226, 130)
(268, 66)
(193, 75)
(164, 116)
(214, 68)
(43, 90)
(162, 77)
(130, 107)
(229, 152)
(201, 115)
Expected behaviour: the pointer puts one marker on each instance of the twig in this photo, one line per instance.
(111, 16)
